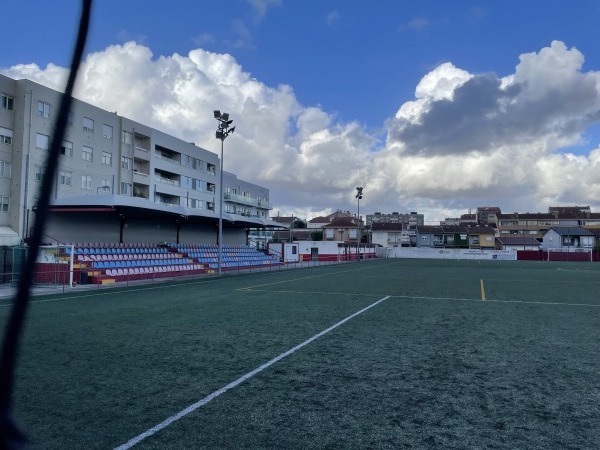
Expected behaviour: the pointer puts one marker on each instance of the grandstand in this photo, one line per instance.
(105, 263)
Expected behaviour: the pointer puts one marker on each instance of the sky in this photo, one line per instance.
(431, 106)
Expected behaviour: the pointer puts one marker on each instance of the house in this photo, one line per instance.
(430, 236)
(342, 228)
(568, 239)
(318, 222)
(455, 236)
(389, 234)
(482, 237)
(517, 243)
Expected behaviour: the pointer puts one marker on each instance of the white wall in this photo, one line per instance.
(445, 253)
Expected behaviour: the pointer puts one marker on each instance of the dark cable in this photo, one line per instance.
(10, 436)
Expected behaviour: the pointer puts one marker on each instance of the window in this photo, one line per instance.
(70, 118)
(107, 158)
(5, 169)
(86, 182)
(37, 173)
(41, 141)
(187, 182)
(127, 137)
(125, 163)
(106, 184)
(43, 109)
(64, 178)
(66, 148)
(6, 135)
(329, 233)
(7, 101)
(194, 203)
(126, 188)
(88, 125)
(4, 202)
(107, 131)
(211, 168)
(87, 153)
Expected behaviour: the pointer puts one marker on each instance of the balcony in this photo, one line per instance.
(265, 204)
(240, 199)
(168, 181)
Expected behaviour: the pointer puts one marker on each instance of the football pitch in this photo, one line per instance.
(392, 353)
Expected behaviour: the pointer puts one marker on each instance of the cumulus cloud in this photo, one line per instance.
(465, 140)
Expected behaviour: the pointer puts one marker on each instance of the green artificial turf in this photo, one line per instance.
(441, 363)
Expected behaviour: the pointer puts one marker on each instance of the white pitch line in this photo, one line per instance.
(240, 380)
(529, 302)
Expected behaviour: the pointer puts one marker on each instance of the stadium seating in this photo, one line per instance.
(109, 262)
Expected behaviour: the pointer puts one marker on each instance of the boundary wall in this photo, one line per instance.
(446, 253)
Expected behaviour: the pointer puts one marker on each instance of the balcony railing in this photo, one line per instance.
(168, 181)
(235, 198)
(240, 199)
(265, 204)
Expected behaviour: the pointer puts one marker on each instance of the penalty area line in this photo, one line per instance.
(240, 380)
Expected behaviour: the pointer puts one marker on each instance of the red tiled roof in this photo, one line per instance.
(342, 222)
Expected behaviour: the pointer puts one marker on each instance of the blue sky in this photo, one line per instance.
(336, 73)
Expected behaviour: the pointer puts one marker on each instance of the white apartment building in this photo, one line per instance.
(117, 181)
(411, 219)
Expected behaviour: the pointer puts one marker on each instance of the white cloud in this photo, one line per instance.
(418, 24)
(466, 140)
(203, 39)
(332, 18)
(261, 7)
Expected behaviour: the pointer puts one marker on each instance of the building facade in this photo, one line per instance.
(116, 179)
(410, 220)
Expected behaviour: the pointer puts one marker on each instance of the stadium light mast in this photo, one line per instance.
(359, 194)
(223, 131)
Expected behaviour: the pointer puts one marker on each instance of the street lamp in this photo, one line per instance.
(359, 194)
(223, 131)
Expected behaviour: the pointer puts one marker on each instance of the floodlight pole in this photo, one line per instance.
(220, 261)
(358, 197)
(222, 132)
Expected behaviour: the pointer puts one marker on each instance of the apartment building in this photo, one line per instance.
(537, 224)
(410, 220)
(117, 180)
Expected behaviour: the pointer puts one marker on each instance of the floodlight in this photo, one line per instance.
(221, 133)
